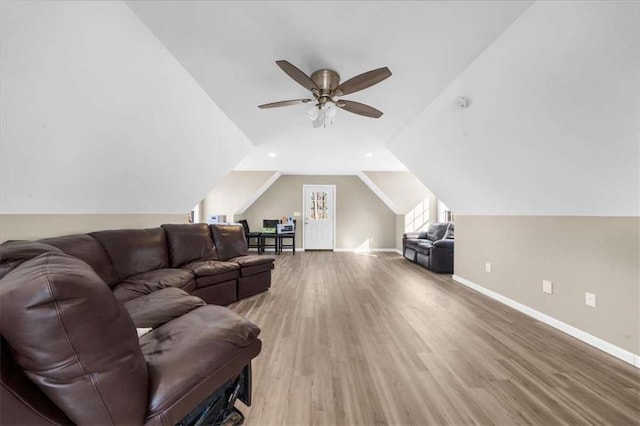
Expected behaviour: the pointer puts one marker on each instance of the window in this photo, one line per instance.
(444, 214)
(418, 218)
(318, 209)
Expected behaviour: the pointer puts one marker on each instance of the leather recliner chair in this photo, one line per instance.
(432, 248)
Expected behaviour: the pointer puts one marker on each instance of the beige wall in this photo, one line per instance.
(360, 214)
(35, 226)
(404, 191)
(578, 254)
(399, 231)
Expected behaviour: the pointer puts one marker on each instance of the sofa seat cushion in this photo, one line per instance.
(252, 260)
(160, 307)
(256, 269)
(253, 264)
(191, 356)
(413, 242)
(147, 282)
(205, 268)
(424, 245)
(217, 279)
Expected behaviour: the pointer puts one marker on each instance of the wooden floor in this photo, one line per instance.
(372, 339)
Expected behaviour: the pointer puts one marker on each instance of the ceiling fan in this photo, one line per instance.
(326, 90)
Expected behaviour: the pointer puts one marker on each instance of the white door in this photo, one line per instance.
(319, 216)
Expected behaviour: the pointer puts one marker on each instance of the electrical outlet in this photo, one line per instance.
(487, 267)
(547, 286)
(296, 214)
(590, 299)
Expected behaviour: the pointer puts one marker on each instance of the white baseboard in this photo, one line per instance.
(376, 250)
(596, 342)
(390, 250)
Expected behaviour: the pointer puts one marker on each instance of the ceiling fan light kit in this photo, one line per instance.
(325, 87)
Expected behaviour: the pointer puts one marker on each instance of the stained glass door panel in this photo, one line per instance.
(319, 211)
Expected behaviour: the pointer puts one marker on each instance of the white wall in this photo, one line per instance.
(98, 117)
(553, 125)
(236, 192)
(402, 189)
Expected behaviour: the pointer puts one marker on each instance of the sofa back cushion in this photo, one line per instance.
(230, 241)
(87, 248)
(13, 253)
(437, 230)
(133, 251)
(74, 340)
(450, 234)
(188, 242)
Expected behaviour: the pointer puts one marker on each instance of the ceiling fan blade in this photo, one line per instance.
(284, 103)
(358, 108)
(363, 81)
(293, 72)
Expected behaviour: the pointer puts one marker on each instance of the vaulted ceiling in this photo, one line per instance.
(230, 47)
(144, 106)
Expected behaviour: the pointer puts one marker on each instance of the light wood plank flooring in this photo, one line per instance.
(372, 339)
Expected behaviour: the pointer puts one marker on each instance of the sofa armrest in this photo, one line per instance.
(415, 235)
(441, 256)
(444, 243)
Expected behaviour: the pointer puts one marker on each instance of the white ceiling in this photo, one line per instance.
(230, 49)
(553, 124)
(97, 116)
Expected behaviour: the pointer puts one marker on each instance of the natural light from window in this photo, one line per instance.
(418, 218)
(444, 214)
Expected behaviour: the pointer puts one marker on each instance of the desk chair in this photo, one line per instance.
(264, 236)
(253, 238)
(287, 235)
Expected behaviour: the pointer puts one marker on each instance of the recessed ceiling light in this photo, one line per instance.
(272, 154)
(369, 154)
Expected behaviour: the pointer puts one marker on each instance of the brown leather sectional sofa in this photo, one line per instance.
(69, 308)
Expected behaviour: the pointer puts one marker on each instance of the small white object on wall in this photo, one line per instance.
(462, 102)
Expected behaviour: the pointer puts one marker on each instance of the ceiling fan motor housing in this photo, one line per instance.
(325, 86)
(327, 81)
